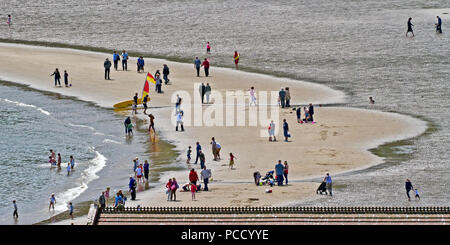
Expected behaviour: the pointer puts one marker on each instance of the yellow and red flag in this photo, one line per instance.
(146, 89)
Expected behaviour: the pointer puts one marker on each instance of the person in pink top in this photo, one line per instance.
(193, 190)
(208, 48)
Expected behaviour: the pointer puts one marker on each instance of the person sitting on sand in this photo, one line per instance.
(231, 164)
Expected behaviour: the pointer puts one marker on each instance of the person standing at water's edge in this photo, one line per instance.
(15, 214)
(57, 77)
(146, 170)
(132, 186)
(408, 187)
(66, 78)
(107, 65)
(236, 59)
(410, 25)
(52, 202)
(197, 65)
(152, 123)
(71, 210)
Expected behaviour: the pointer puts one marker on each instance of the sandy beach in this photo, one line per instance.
(338, 142)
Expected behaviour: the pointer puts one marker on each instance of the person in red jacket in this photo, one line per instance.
(193, 177)
(236, 59)
(205, 64)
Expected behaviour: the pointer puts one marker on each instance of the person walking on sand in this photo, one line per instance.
(286, 171)
(410, 25)
(197, 65)
(208, 48)
(198, 149)
(71, 210)
(102, 201)
(408, 187)
(286, 130)
(311, 112)
(272, 131)
(189, 151)
(158, 84)
(193, 177)
(236, 59)
(180, 114)
(166, 74)
(299, 114)
(144, 103)
(202, 159)
(439, 25)
(193, 190)
(329, 184)
(15, 214)
(132, 186)
(207, 92)
(279, 171)
(57, 77)
(9, 21)
(218, 148)
(173, 190)
(140, 64)
(282, 97)
(417, 194)
(205, 174)
(231, 164)
(52, 202)
(252, 96)
(116, 59)
(205, 65)
(124, 60)
(66, 78)
(178, 103)
(214, 148)
(168, 191)
(107, 65)
(288, 97)
(202, 90)
(146, 170)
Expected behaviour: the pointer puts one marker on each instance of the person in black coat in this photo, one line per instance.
(107, 65)
(57, 77)
(311, 112)
(408, 187)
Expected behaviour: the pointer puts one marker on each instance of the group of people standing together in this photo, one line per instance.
(56, 162)
(57, 77)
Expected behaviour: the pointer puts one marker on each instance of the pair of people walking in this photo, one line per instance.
(57, 77)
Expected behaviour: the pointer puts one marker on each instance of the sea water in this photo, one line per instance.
(32, 122)
(355, 46)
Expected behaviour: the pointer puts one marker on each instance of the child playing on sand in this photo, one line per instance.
(193, 190)
(417, 194)
(130, 129)
(232, 157)
(189, 151)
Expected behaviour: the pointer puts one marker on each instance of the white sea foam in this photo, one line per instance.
(111, 141)
(81, 126)
(89, 174)
(27, 105)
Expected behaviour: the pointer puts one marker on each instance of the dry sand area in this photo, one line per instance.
(338, 142)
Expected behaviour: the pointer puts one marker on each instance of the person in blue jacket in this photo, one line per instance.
(132, 186)
(116, 59)
(279, 170)
(439, 25)
(140, 64)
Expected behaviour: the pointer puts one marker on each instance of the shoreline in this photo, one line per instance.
(180, 146)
